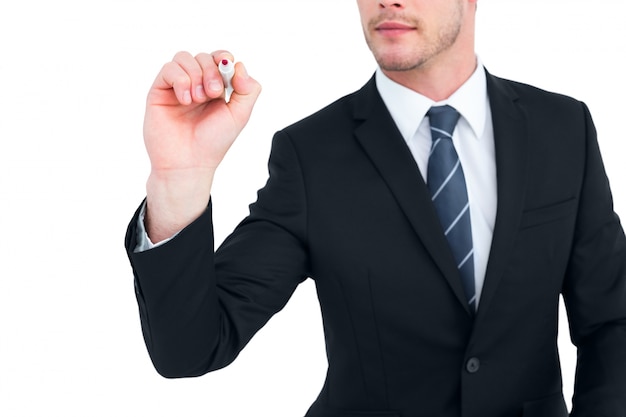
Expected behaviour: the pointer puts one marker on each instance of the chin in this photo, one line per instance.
(397, 59)
(399, 63)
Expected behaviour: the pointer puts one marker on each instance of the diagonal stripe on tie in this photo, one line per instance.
(446, 183)
(434, 129)
(447, 180)
(458, 218)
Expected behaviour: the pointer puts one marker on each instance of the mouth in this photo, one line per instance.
(390, 28)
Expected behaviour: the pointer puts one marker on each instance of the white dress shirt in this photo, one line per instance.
(474, 143)
(472, 138)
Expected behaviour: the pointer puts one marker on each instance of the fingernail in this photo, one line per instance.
(215, 85)
(200, 92)
(187, 97)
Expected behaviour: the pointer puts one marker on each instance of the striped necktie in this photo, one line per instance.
(446, 183)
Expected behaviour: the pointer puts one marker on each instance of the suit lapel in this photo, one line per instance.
(381, 140)
(511, 144)
(383, 143)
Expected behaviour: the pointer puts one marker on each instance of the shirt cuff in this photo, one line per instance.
(143, 241)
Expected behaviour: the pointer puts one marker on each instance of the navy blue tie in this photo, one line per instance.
(446, 183)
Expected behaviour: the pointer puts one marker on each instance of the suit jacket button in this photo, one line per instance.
(473, 365)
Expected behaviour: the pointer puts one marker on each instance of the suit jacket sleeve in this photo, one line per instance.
(595, 294)
(198, 308)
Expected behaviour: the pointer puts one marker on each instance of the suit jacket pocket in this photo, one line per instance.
(551, 406)
(547, 214)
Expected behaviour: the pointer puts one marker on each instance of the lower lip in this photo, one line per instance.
(393, 32)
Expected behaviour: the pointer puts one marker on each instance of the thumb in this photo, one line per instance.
(246, 90)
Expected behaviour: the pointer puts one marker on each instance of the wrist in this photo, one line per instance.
(174, 200)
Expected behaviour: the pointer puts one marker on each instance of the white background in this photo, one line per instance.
(73, 77)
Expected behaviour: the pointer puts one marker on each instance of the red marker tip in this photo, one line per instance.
(224, 62)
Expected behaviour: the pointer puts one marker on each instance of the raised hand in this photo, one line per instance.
(188, 128)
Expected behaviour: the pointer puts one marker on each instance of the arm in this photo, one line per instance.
(595, 295)
(199, 309)
(194, 318)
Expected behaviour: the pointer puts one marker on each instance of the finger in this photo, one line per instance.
(217, 57)
(246, 91)
(173, 77)
(193, 69)
(211, 78)
(181, 75)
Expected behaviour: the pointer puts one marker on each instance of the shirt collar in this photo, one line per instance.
(408, 108)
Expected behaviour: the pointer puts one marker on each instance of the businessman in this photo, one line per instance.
(440, 210)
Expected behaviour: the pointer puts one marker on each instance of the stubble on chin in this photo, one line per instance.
(391, 55)
(410, 56)
(394, 62)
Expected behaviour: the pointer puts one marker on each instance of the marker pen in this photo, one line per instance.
(227, 69)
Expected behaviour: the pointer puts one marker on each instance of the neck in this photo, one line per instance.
(435, 82)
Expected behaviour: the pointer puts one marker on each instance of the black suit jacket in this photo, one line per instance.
(346, 206)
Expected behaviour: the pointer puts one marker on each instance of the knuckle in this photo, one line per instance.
(181, 55)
